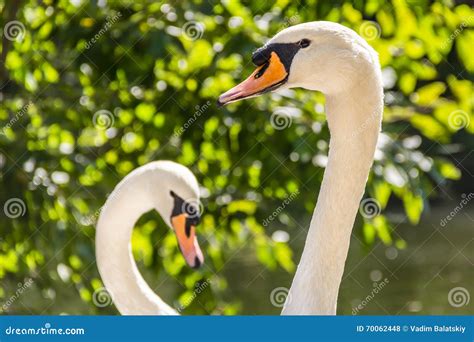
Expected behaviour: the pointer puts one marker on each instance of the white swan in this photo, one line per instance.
(173, 191)
(319, 56)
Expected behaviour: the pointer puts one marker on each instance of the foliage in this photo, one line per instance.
(95, 89)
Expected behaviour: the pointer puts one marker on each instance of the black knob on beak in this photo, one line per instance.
(261, 56)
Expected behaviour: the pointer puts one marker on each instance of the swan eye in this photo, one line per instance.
(304, 43)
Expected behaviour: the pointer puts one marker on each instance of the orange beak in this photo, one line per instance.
(187, 240)
(265, 78)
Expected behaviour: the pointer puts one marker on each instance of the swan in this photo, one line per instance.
(318, 56)
(333, 59)
(173, 191)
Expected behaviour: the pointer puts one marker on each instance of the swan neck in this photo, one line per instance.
(119, 272)
(354, 122)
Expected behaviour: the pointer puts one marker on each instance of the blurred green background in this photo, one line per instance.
(92, 89)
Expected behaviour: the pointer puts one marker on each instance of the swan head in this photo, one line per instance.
(176, 199)
(321, 56)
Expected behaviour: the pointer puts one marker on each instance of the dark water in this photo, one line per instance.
(416, 280)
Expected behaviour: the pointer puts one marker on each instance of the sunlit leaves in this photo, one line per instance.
(382, 192)
(430, 127)
(283, 255)
(145, 111)
(153, 82)
(413, 205)
(378, 226)
(464, 46)
(244, 206)
(200, 55)
(449, 171)
(426, 95)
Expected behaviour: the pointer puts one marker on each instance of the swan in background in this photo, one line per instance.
(333, 59)
(319, 56)
(173, 191)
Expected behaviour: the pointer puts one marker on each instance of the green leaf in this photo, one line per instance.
(382, 193)
(449, 171)
(244, 206)
(145, 111)
(413, 205)
(426, 95)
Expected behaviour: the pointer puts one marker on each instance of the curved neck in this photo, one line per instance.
(118, 270)
(354, 122)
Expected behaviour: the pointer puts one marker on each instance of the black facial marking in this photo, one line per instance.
(178, 205)
(197, 262)
(285, 51)
(261, 56)
(261, 71)
(181, 207)
(187, 228)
